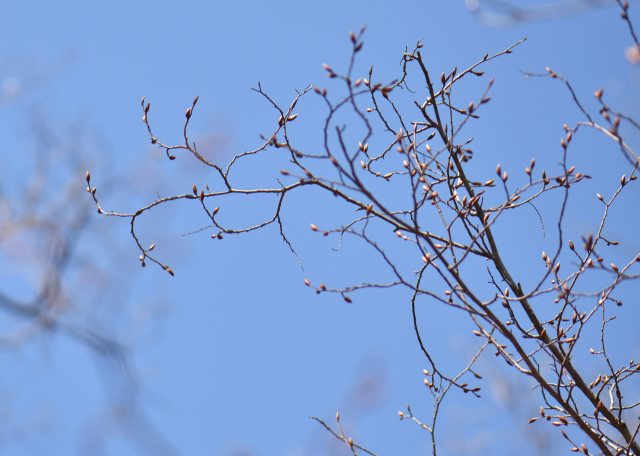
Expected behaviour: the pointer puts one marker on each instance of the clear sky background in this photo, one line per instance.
(232, 355)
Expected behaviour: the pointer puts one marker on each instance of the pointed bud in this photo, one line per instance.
(188, 113)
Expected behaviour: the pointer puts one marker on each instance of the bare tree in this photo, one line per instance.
(445, 230)
(54, 287)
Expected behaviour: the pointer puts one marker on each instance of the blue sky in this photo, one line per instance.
(232, 355)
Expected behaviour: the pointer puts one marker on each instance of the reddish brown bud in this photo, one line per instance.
(88, 176)
(215, 211)
(188, 113)
(498, 170)
(293, 117)
(598, 93)
(347, 299)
